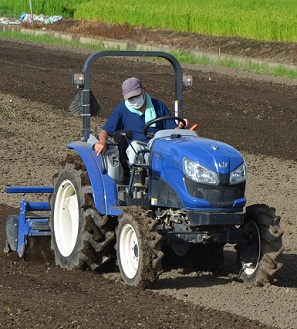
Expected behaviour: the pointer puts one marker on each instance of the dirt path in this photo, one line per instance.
(257, 116)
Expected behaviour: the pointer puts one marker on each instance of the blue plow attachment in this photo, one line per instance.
(18, 228)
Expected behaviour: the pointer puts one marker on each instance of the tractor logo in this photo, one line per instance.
(223, 164)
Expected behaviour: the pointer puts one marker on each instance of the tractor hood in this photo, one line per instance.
(216, 156)
(197, 173)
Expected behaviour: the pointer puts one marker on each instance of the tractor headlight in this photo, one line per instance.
(238, 175)
(199, 173)
(78, 79)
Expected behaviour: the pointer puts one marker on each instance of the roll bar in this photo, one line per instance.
(87, 70)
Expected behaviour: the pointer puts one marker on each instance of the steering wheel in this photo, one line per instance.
(161, 119)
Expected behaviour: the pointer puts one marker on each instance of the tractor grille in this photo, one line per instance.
(222, 196)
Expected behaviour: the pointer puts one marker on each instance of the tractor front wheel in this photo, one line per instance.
(138, 247)
(258, 258)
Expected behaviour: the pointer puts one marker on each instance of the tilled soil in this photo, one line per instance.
(257, 115)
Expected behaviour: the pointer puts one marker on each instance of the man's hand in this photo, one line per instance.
(182, 126)
(100, 147)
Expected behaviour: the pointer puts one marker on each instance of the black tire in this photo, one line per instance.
(138, 247)
(258, 259)
(81, 237)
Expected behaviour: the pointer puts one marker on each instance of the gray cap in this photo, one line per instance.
(131, 87)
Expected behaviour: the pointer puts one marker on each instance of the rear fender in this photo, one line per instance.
(104, 187)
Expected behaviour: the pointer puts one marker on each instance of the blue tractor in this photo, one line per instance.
(182, 205)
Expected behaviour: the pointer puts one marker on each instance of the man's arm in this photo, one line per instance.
(112, 124)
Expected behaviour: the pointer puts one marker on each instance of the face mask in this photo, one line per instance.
(136, 102)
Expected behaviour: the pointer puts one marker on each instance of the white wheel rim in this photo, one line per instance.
(66, 218)
(129, 251)
(250, 267)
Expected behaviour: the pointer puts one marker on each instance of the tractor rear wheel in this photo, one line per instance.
(138, 247)
(258, 258)
(81, 237)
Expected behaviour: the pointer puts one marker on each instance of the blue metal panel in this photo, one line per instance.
(38, 206)
(209, 153)
(22, 232)
(104, 187)
(29, 189)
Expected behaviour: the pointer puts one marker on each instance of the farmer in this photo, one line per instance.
(137, 109)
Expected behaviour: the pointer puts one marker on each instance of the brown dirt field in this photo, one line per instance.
(257, 115)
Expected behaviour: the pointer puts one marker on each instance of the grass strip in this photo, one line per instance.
(247, 65)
